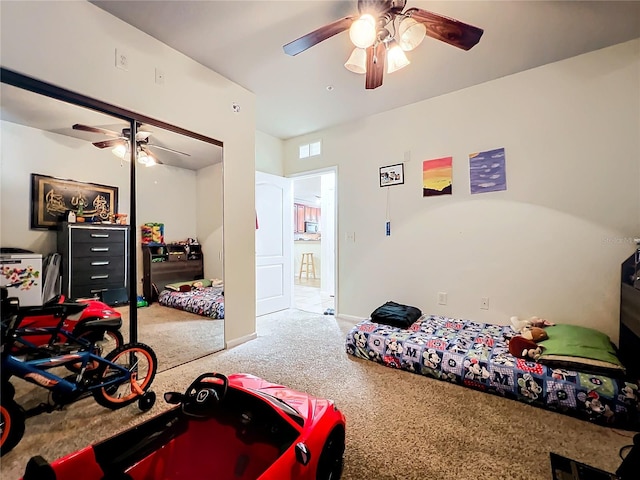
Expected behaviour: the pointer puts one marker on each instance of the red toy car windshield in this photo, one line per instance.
(279, 403)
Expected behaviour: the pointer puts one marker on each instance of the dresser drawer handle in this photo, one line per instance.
(99, 277)
(99, 249)
(100, 235)
(98, 290)
(99, 263)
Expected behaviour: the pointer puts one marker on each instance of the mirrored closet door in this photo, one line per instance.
(179, 213)
(64, 165)
(54, 179)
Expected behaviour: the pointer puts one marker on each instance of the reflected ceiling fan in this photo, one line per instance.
(382, 32)
(119, 142)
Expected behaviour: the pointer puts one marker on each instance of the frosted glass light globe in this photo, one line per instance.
(363, 31)
(410, 34)
(357, 62)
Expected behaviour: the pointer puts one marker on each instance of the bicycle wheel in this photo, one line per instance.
(111, 340)
(11, 425)
(140, 360)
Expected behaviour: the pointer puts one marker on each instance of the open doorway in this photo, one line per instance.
(314, 242)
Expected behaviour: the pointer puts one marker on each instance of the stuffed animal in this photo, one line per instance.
(536, 334)
(519, 325)
(521, 347)
(540, 322)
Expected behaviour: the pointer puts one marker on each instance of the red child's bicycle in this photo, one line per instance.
(97, 323)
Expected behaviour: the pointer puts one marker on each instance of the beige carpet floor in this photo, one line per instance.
(399, 425)
(175, 335)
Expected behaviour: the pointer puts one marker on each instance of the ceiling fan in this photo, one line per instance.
(120, 144)
(382, 32)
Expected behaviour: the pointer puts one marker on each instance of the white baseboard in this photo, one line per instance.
(350, 318)
(239, 341)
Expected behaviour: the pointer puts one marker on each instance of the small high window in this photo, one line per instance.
(310, 149)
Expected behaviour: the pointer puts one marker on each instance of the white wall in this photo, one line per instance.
(26, 150)
(269, 154)
(192, 97)
(167, 195)
(210, 222)
(551, 245)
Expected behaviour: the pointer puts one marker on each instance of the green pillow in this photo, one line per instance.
(580, 348)
(176, 286)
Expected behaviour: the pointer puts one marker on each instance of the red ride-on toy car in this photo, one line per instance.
(97, 322)
(228, 428)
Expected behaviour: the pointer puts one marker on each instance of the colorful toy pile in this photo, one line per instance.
(152, 233)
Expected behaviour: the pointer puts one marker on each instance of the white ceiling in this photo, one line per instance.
(306, 190)
(51, 115)
(242, 40)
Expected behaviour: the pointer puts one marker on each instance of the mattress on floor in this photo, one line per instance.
(208, 301)
(476, 355)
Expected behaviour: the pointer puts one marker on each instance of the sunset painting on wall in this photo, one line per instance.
(436, 177)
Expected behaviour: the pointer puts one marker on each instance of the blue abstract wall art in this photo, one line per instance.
(487, 171)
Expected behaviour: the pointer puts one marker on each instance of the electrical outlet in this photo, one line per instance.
(351, 237)
(159, 77)
(484, 303)
(122, 60)
(442, 298)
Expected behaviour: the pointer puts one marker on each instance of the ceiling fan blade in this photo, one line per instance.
(310, 39)
(375, 66)
(87, 128)
(110, 143)
(167, 149)
(448, 30)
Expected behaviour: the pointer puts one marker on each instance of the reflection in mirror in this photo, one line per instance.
(50, 173)
(81, 157)
(179, 231)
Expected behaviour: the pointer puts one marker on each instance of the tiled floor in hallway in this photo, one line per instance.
(309, 298)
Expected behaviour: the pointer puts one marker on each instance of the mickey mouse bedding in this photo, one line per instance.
(207, 301)
(476, 355)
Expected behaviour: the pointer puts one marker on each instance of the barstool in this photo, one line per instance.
(305, 263)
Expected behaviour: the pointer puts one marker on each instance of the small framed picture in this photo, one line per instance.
(392, 175)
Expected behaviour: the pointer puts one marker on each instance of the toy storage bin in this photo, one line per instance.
(152, 233)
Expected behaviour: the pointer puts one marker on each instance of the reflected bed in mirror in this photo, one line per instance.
(181, 190)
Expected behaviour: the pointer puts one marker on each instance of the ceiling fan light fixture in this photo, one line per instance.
(357, 62)
(145, 159)
(150, 161)
(396, 58)
(120, 151)
(363, 31)
(410, 34)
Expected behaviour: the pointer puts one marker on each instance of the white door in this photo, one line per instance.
(274, 242)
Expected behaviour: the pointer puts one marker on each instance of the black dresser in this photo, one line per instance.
(629, 344)
(95, 260)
